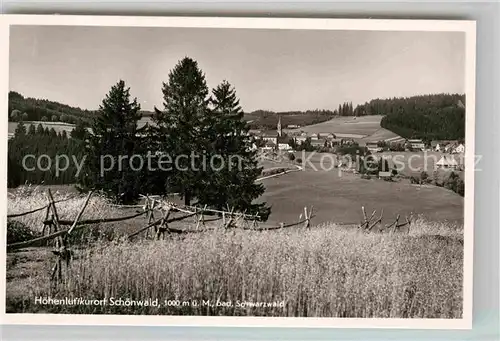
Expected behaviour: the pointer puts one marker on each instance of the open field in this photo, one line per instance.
(381, 134)
(58, 126)
(362, 126)
(362, 129)
(339, 198)
(327, 271)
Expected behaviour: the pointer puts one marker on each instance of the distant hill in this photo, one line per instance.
(43, 110)
(429, 117)
(265, 119)
(33, 109)
(439, 116)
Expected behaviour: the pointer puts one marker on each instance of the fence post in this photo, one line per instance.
(201, 218)
(164, 225)
(306, 217)
(47, 212)
(230, 220)
(59, 242)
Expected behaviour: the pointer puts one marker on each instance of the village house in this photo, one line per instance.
(435, 145)
(269, 136)
(268, 146)
(301, 138)
(460, 149)
(320, 142)
(373, 147)
(347, 142)
(284, 142)
(415, 144)
(334, 142)
(447, 162)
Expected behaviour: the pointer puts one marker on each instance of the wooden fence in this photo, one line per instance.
(55, 227)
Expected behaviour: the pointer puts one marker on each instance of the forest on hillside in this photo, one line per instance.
(32, 109)
(438, 116)
(429, 117)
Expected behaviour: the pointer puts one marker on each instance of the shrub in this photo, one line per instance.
(424, 176)
(291, 156)
(19, 232)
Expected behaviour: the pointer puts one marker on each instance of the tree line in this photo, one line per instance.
(38, 141)
(430, 117)
(33, 109)
(194, 120)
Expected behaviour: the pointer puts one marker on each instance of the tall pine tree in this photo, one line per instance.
(182, 126)
(232, 182)
(112, 144)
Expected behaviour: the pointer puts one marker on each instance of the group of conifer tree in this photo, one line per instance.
(194, 120)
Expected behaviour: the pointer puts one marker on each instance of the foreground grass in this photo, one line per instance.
(327, 271)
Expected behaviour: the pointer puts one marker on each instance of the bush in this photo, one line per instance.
(19, 232)
(424, 176)
(291, 156)
(298, 160)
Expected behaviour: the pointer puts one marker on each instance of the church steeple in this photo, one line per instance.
(278, 128)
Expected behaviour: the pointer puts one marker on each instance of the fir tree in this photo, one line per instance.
(79, 132)
(32, 129)
(182, 125)
(20, 130)
(112, 145)
(39, 129)
(234, 184)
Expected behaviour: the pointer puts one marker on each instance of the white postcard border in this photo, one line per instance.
(466, 26)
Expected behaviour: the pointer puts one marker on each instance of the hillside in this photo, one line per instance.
(430, 117)
(34, 109)
(264, 119)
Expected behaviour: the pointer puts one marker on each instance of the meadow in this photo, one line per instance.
(357, 126)
(338, 196)
(329, 270)
(58, 126)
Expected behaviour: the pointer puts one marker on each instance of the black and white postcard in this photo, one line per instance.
(237, 171)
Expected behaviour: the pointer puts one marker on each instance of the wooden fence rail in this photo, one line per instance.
(16, 215)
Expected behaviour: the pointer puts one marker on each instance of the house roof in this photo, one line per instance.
(284, 139)
(269, 133)
(318, 142)
(447, 161)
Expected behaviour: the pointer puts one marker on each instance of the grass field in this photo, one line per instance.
(339, 198)
(58, 126)
(327, 271)
(381, 134)
(365, 125)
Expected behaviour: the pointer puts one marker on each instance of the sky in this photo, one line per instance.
(275, 70)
